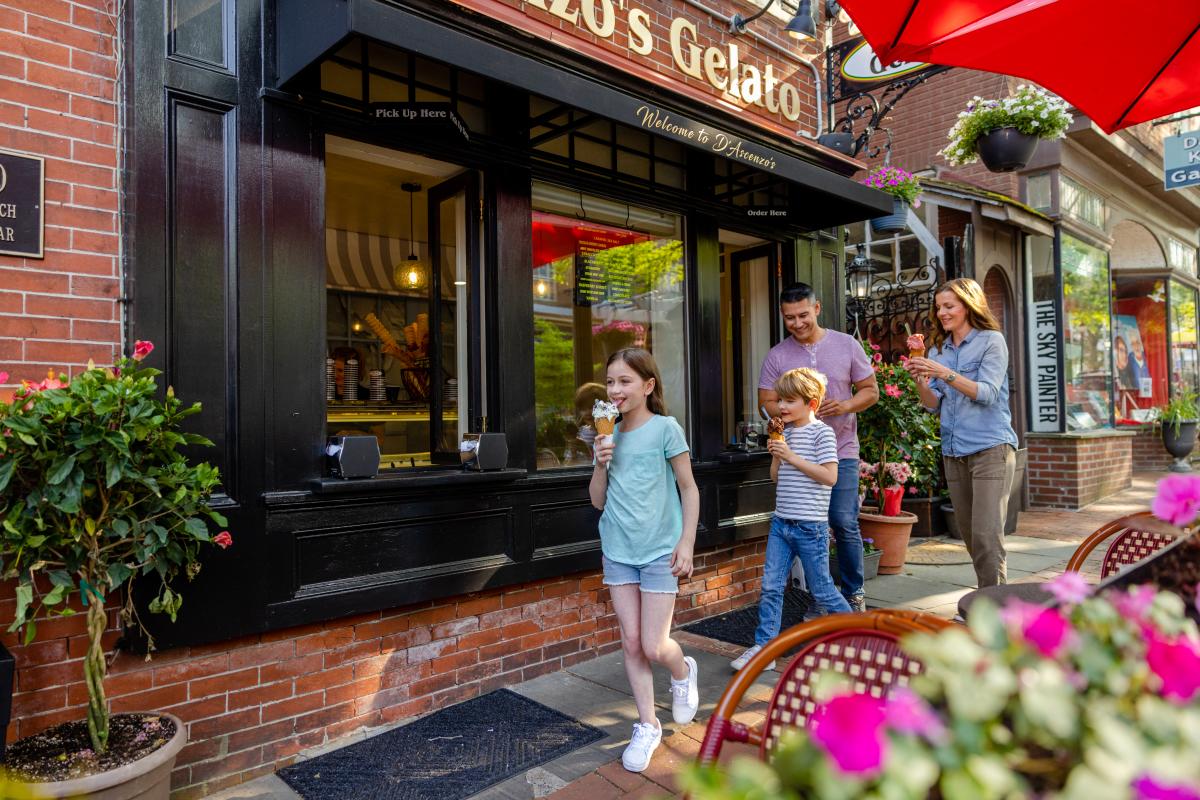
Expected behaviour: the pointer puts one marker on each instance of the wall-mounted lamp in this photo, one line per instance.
(800, 27)
(859, 273)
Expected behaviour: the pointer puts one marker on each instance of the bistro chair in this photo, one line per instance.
(865, 647)
(1130, 544)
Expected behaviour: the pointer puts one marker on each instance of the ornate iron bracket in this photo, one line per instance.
(892, 303)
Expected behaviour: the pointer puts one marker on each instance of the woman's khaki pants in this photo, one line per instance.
(979, 487)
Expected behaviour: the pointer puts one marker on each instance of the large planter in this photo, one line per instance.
(870, 566)
(1006, 149)
(890, 534)
(930, 521)
(148, 778)
(894, 222)
(1180, 444)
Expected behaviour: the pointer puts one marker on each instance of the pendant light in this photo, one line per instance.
(410, 274)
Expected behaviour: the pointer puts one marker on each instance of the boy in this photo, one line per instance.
(804, 466)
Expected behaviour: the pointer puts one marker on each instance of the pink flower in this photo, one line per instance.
(1069, 587)
(912, 490)
(1045, 629)
(877, 358)
(874, 346)
(3, 377)
(850, 729)
(908, 712)
(223, 539)
(141, 349)
(1147, 788)
(892, 390)
(1177, 500)
(1133, 604)
(1176, 662)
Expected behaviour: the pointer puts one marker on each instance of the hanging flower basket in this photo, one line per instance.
(1006, 149)
(894, 222)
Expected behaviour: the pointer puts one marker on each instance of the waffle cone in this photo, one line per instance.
(605, 426)
(916, 353)
(775, 437)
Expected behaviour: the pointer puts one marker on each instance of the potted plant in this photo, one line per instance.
(1099, 697)
(889, 433)
(1005, 133)
(905, 191)
(94, 493)
(1178, 419)
(871, 556)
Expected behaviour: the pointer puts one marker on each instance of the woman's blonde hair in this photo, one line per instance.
(641, 362)
(971, 295)
(801, 384)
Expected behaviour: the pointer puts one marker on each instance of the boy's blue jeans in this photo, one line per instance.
(810, 542)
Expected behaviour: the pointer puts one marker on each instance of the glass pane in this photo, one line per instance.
(1037, 191)
(1139, 347)
(1087, 346)
(1185, 373)
(606, 276)
(381, 330)
(198, 30)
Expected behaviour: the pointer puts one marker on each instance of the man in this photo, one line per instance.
(852, 388)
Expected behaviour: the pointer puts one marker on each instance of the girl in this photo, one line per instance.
(966, 379)
(647, 535)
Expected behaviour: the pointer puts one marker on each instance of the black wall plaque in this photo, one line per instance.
(22, 206)
(436, 116)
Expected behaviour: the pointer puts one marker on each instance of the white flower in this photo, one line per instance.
(1034, 123)
(1044, 114)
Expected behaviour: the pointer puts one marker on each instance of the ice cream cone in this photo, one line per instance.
(775, 430)
(916, 345)
(605, 427)
(916, 353)
(604, 416)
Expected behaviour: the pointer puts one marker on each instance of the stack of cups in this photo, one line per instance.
(330, 380)
(375, 388)
(350, 380)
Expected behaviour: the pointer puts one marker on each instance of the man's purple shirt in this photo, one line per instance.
(841, 359)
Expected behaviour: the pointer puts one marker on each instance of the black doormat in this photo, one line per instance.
(738, 626)
(448, 755)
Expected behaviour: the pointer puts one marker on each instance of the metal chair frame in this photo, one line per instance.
(1129, 546)
(867, 644)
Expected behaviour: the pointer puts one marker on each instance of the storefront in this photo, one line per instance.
(438, 219)
(1112, 320)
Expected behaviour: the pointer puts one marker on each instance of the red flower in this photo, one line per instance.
(892, 390)
(3, 377)
(850, 728)
(223, 539)
(141, 349)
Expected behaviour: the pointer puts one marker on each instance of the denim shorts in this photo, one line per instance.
(653, 577)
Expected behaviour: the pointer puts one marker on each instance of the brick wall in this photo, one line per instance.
(1149, 453)
(253, 703)
(57, 78)
(1075, 471)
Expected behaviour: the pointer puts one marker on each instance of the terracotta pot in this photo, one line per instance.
(148, 778)
(890, 535)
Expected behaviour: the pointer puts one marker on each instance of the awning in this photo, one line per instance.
(359, 262)
(308, 30)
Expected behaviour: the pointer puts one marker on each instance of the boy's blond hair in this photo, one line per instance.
(801, 384)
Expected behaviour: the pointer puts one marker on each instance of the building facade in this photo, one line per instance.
(401, 224)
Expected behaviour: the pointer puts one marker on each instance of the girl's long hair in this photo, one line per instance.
(971, 295)
(641, 362)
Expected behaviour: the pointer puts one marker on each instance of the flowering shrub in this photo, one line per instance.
(898, 431)
(94, 492)
(897, 183)
(1031, 110)
(1098, 697)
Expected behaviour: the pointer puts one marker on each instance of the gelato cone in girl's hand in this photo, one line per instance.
(605, 415)
(775, 429)
(916, 345)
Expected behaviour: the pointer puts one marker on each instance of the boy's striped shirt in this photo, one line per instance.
(797, 496)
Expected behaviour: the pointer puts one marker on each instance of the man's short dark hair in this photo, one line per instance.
(797, 292)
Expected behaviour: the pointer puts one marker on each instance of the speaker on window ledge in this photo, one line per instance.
(352, 456)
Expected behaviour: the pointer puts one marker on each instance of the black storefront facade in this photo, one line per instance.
(507, 164)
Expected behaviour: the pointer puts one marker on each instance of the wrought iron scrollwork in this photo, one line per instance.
(894, 307)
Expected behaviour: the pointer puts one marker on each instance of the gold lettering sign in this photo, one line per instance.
(721, 67)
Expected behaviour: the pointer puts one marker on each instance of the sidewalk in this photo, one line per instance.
(597, 692)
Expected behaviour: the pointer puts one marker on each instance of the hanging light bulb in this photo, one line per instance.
(410, 274)
(541, 288)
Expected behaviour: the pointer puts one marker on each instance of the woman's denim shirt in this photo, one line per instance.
(970, 426)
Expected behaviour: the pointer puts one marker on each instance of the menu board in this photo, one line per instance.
(602, 272)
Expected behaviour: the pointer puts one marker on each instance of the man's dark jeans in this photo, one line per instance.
(843, 523)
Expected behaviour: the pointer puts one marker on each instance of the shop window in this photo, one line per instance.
(400, 267)
(747, 188)
(1139, 347)
(1087, 335)
(1185, 371)
(607, 275)
(1037, 191)
(1181, 256)
(898, 257)
(1082, 203)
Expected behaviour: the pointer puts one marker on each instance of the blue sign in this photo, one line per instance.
(1181, 160)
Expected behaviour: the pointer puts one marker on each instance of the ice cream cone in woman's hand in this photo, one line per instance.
(916, 345)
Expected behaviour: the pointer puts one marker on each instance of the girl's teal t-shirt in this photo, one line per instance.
(643, 517)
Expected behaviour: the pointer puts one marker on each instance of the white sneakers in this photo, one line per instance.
(685, 697)
(745, 657)
(642, 745)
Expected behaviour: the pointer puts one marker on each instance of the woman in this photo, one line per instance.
(966, 379)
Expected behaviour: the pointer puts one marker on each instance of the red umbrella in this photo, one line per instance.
(1119, 63)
